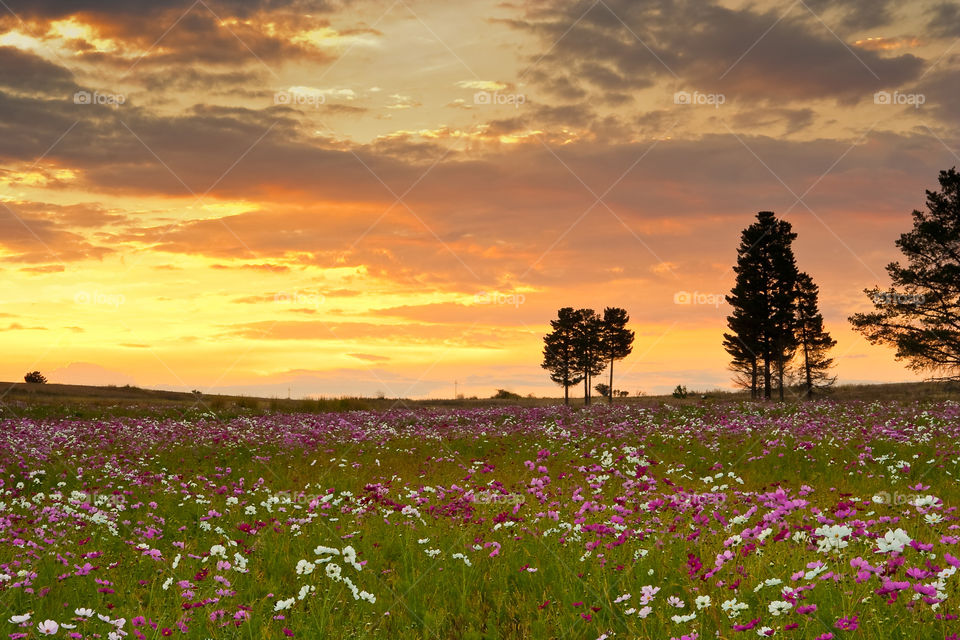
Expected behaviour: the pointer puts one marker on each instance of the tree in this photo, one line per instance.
(920, 313)
(560, 351)
(603, 389)
(616, 341)
(589, 348)
(813, 340)
(35, 377)
(763, 299)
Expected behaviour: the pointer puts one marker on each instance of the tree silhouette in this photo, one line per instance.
(35, 377)
(813, 340)
(560, 351)
(616, 340)
(763, 302)
(589, 348)
(920, 313)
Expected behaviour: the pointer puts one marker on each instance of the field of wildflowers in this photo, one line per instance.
(816, 521)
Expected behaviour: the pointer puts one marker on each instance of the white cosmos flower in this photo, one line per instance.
(48, 627)
(893, 541)
(304, 567)
(778, 607)
(21, 618)
(326, 551)
(333, 571)
(283, 604)
(832, 537)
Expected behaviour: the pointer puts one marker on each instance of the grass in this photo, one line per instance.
(22, 400)
(688, 480)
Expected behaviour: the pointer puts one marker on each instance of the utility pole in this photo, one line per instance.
(454, 389)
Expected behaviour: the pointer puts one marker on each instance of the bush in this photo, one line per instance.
(680, 392)
(503, 394)
(35, 377)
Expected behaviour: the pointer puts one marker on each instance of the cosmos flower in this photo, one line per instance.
(893, 541)
(832, 537)
(48, 627)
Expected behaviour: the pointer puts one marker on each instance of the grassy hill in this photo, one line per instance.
(19, 399)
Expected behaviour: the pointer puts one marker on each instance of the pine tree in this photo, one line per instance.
(813, 340)
(559, 351)
(763, 301)
(616, 340)
(920, 313)
(589, 349)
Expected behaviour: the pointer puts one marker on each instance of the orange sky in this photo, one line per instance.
(350, 198)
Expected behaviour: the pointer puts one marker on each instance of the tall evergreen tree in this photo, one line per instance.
(589, 349)
(920, 313)
(616, 341)
(763, 301)
(813, 340)
(560, 351)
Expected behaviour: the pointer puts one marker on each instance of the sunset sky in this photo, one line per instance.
(359, 197)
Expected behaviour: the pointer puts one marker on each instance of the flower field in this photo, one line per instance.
(816, 521)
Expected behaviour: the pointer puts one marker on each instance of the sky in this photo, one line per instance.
(322, 198)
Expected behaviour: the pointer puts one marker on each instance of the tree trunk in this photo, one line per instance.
(566, 394)
(767, 387)
(610, 391)
(586, 388)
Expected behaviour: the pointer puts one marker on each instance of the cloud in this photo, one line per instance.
(31, 239)
(368, 357)
(748, 54)
(25, 72)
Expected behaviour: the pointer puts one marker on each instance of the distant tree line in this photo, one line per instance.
(582, 343)
(776, 336)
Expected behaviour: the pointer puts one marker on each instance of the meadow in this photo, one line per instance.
(813, 520)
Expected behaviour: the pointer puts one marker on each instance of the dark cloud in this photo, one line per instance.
(941, 92)
(748, 54)
(945, 20)
(854, 14)
(55, 9)
(26, 72)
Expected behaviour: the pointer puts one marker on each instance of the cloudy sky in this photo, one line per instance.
(352, 197)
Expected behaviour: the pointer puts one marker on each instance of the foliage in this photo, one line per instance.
(919, 314)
